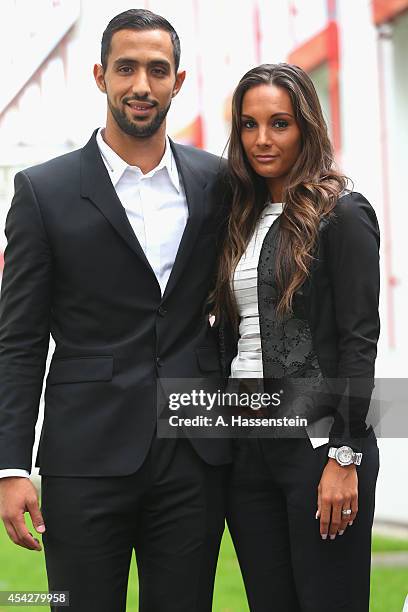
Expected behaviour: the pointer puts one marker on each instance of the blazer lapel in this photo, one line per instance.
(97, 186)
(267, 287)
(194, 187)
(266, 264)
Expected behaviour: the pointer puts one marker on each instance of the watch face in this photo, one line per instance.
(345, 455)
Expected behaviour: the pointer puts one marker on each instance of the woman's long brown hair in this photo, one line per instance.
(312, 188)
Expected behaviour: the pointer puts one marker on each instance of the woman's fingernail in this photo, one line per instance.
(350, 523)
(324, 536)
(341, 532)
(332, 537)
(317, 514)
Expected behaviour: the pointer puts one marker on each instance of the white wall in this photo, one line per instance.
(392, 497)
(364, 132)
(398, 132)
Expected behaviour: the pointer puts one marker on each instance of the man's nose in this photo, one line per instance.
(140, 84)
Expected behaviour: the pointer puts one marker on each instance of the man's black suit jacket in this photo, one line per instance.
(74, 268)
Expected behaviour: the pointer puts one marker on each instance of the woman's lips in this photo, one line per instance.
(265, 158)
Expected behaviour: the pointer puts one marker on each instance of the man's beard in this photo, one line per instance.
(138, 131)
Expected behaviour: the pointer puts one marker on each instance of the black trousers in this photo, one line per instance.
(171, 512)
(285, 564)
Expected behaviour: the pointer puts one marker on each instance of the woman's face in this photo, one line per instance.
(270, 136)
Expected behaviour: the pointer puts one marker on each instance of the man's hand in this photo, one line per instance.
(337, 491)
(18, 495)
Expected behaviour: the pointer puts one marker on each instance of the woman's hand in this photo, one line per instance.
(337, 491)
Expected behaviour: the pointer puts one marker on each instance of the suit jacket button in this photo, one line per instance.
(159, 362)
(162, 311)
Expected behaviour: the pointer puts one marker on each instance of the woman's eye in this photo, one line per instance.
(248, 124)
(280, 123)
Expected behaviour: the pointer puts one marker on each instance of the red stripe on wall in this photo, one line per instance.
(322, 48)
(387, 233)
(312, 53)
(334, 85)
(192, 134)
(385, 10)
(257, 33)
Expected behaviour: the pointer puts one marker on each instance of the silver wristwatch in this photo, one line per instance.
(345, 455)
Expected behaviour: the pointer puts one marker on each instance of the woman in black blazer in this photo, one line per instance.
(299, 279)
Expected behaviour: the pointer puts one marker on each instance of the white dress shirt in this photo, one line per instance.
(156, 206)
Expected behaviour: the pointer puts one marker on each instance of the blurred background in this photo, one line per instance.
(356, 53)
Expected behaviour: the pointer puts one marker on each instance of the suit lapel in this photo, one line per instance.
(97, 187)
(194, 188)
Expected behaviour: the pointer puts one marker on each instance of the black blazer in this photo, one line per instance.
(74, 268)
(332, 335)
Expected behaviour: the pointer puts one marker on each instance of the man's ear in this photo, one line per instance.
(99, 76)
(180, 76)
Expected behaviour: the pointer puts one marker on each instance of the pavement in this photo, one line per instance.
(390, 559)
(391, 529)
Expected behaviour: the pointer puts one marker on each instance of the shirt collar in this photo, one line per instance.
(117, 166)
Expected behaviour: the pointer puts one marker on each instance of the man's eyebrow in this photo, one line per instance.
(133, 62)
(124, 60)
(161, 62)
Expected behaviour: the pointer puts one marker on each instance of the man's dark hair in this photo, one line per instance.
(138, 19)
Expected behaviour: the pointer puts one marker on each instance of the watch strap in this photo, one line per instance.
(332, 452)
(357, 458)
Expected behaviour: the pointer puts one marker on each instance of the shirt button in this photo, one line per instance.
(162, 311)
(159, 362)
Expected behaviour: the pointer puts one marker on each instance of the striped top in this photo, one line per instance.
(248, 361)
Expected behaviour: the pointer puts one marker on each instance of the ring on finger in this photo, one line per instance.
(346, 512)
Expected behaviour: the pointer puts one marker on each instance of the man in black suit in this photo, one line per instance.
(111, 250)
